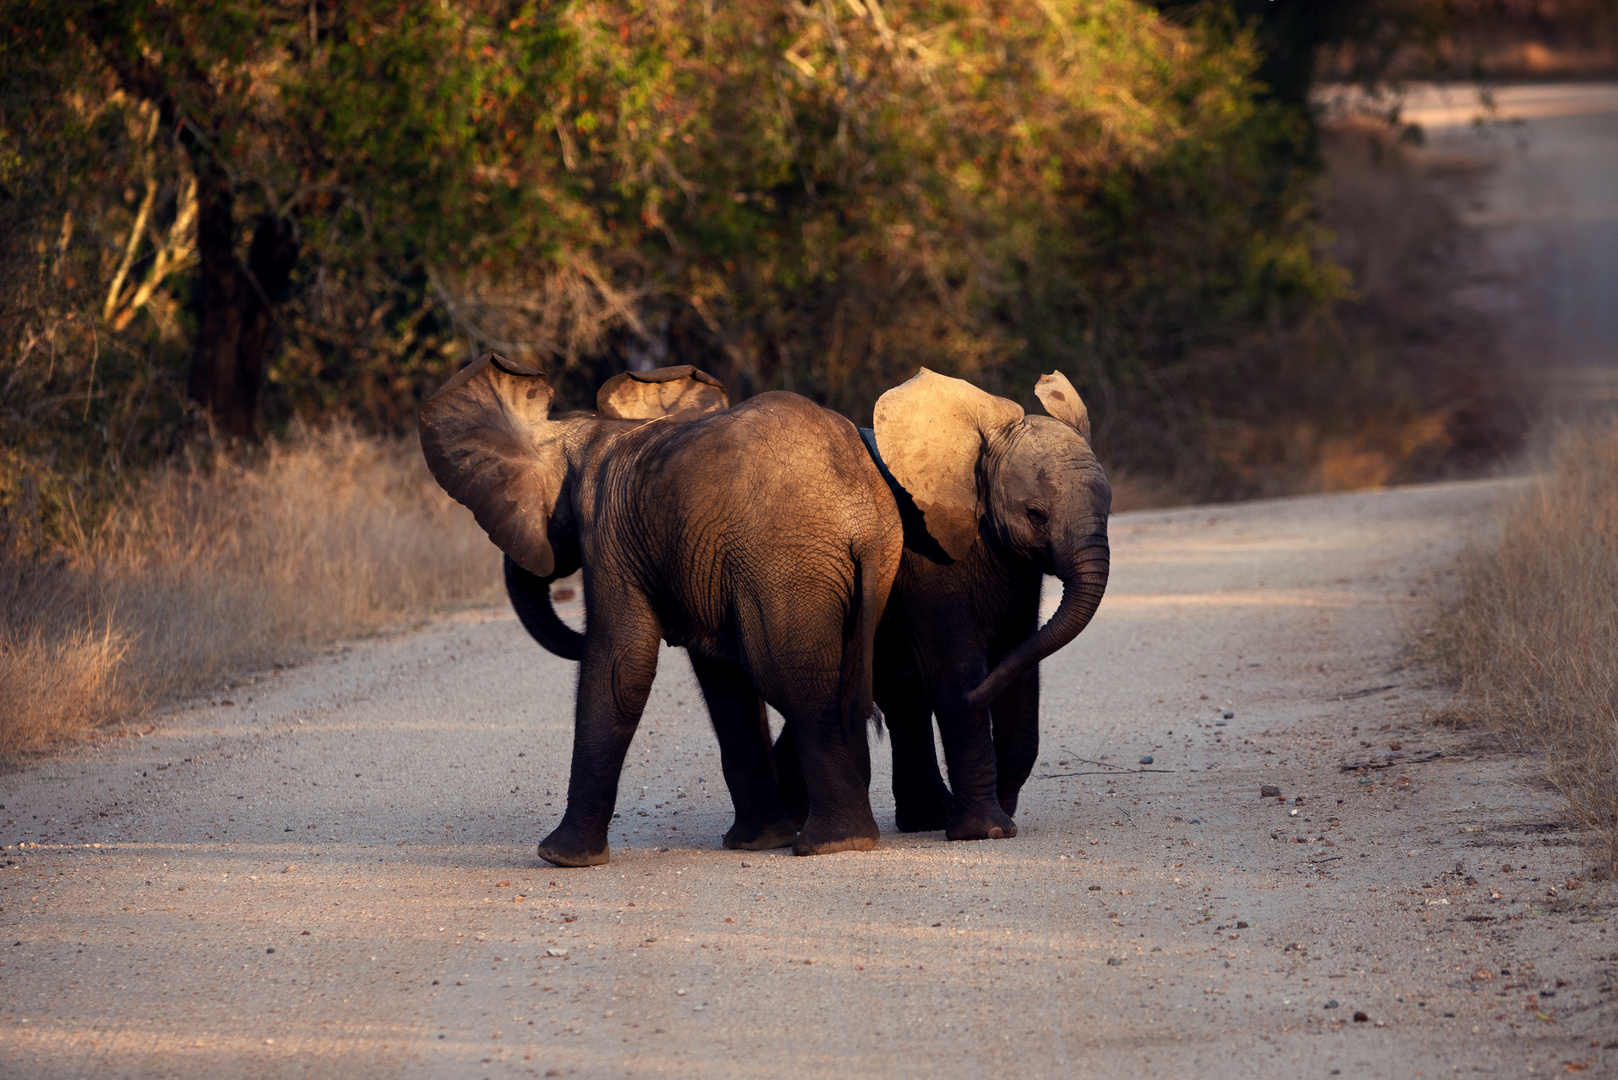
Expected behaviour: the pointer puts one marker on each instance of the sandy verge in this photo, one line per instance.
(335, 872)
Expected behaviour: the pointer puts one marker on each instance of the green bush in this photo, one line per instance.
(792, 195)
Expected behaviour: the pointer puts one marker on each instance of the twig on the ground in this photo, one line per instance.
(1394, 758)
(1104, 764)
(1367, 692)
(1123, 772)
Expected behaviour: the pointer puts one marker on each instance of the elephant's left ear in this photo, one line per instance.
(1063, 402)
(930, 432)
(490, 444)
(680, 393)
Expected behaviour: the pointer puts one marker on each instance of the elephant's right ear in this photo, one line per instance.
(1063, 402)
(930, 433)
(680, 393)
(488, 442)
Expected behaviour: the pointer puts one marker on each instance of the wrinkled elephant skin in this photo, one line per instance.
(761, 537)
(1008, 498)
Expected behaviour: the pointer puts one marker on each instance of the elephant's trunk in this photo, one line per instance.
(1084, 580)
(531, 597)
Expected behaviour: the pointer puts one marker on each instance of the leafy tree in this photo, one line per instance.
(300, 209)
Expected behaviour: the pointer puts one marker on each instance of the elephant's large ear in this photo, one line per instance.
(930, 432)
(680, 393)
(489, 443)
(1063, 402)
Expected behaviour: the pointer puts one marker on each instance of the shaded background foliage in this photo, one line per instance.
(221, 218)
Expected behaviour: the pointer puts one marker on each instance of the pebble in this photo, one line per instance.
(1332, 1004)
(1229, 715)
(1113, 961)
(1269, 791)
(1147, 760)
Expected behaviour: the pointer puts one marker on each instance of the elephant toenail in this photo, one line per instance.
(996, 832)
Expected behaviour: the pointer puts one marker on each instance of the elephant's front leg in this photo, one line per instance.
(743, 730)
(615, 679)
(1015, 714)
(969, 752)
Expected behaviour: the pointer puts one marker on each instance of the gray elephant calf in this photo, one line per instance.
(992, 500)
(1008, 498)
(762, 538)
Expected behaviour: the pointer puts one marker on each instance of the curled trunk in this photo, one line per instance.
(531, 598)
(1084, 580)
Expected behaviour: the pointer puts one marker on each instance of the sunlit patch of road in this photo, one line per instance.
(1547, 206)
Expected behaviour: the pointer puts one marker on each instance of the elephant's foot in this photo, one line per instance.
(760, 836)
(570, 845)
(1008, 803)
(926, 813)
(819, 839)
(980, 823)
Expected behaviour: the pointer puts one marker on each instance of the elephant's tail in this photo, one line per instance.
(868, 598)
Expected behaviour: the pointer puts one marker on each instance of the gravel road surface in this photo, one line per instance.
(330, 870)
(1546, 207)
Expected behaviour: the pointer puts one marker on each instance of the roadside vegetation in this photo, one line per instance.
(215, 566)
(1534, 641)
(240, 244)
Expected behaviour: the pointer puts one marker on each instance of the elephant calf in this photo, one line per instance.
(992, 500)
(761, 537)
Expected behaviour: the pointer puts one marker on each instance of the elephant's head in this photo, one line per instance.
(490, 442)
(982, 472)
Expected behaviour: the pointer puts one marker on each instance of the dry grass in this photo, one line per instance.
(1535, 640)
(214, 568)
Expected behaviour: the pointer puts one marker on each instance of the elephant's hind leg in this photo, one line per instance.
(789, 773)
(743, 730)
(836, 763)
(615, 679)
(921, 801)
(823, 761)
(825, 778)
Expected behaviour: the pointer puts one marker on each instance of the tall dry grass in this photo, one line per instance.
(212, 568)
(1535, 639)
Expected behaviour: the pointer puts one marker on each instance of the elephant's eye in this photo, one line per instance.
(1037, 516)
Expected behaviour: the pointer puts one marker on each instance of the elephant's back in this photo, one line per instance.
(781, 458)
(773, 501)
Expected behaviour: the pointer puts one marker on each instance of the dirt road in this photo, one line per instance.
(330, 871)
(1546, 208)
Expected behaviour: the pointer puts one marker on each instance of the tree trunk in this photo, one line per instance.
(235, 300)
(235, 305)
(213, 382)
